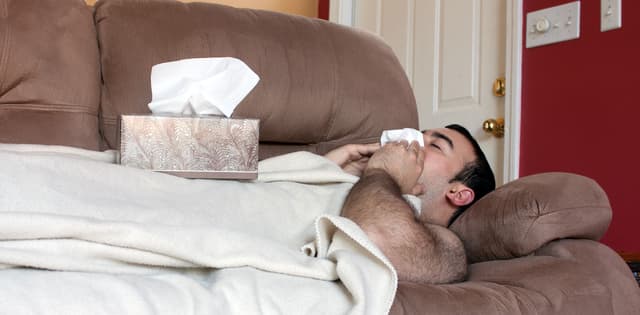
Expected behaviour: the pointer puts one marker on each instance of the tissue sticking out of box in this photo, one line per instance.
(408, 134)
(200, 86)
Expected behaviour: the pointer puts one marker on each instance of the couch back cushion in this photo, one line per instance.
(321, 84)
(522, 216)
(49, 73)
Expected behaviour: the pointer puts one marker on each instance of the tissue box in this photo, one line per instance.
(192, 147)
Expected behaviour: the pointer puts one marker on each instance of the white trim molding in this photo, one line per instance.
(513, 97)
(342, 12)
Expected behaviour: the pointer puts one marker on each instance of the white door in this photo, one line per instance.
(452, 52)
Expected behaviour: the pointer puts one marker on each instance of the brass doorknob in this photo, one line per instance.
(499, 87)
(494, 127)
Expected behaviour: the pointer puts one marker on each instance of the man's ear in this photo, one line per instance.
(460, 195)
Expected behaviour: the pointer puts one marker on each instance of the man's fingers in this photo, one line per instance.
(371, 147)
(415, 147)
(420, 152)
(367, 149)
(363, 150)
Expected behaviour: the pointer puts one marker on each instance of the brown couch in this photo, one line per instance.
(67, 71)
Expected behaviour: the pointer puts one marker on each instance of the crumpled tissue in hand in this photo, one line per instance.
(408, 134)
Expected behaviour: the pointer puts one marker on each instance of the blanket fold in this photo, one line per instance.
(219, 242)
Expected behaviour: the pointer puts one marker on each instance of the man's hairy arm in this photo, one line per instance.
(423, 253)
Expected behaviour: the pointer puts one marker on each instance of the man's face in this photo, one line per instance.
(446, 153)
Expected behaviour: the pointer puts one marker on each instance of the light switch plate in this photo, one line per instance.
(610, 15)
(554, 24)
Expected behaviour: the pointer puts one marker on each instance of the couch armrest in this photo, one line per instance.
(571, 276)
(523, 215)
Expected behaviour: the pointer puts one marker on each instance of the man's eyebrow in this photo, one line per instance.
(443, 137)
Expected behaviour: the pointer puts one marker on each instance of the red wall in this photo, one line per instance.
(323, 9)
(581, 114)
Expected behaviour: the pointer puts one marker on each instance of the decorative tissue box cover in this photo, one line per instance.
(192, 147)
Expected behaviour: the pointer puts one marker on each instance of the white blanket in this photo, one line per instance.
(82, 235)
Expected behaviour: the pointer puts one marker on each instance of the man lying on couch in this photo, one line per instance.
(448, 175)
(103, 227)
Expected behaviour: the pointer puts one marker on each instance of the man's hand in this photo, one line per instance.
(422, 253)
(403, 162)
(353, 158)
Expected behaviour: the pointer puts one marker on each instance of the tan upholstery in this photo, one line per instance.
(569, 276)
(526, 214)
(533, 248)
(49, 73)
(533, 243)
(314, 87)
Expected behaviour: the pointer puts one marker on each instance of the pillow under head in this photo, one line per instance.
(521, 216)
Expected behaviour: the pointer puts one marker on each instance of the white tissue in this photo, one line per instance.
(415, 203)
(408, 134)
(201, 86)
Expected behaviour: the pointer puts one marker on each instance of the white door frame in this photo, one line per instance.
(343, 12)
(513, 97)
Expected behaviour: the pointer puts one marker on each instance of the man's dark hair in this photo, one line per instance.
(476, 174)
